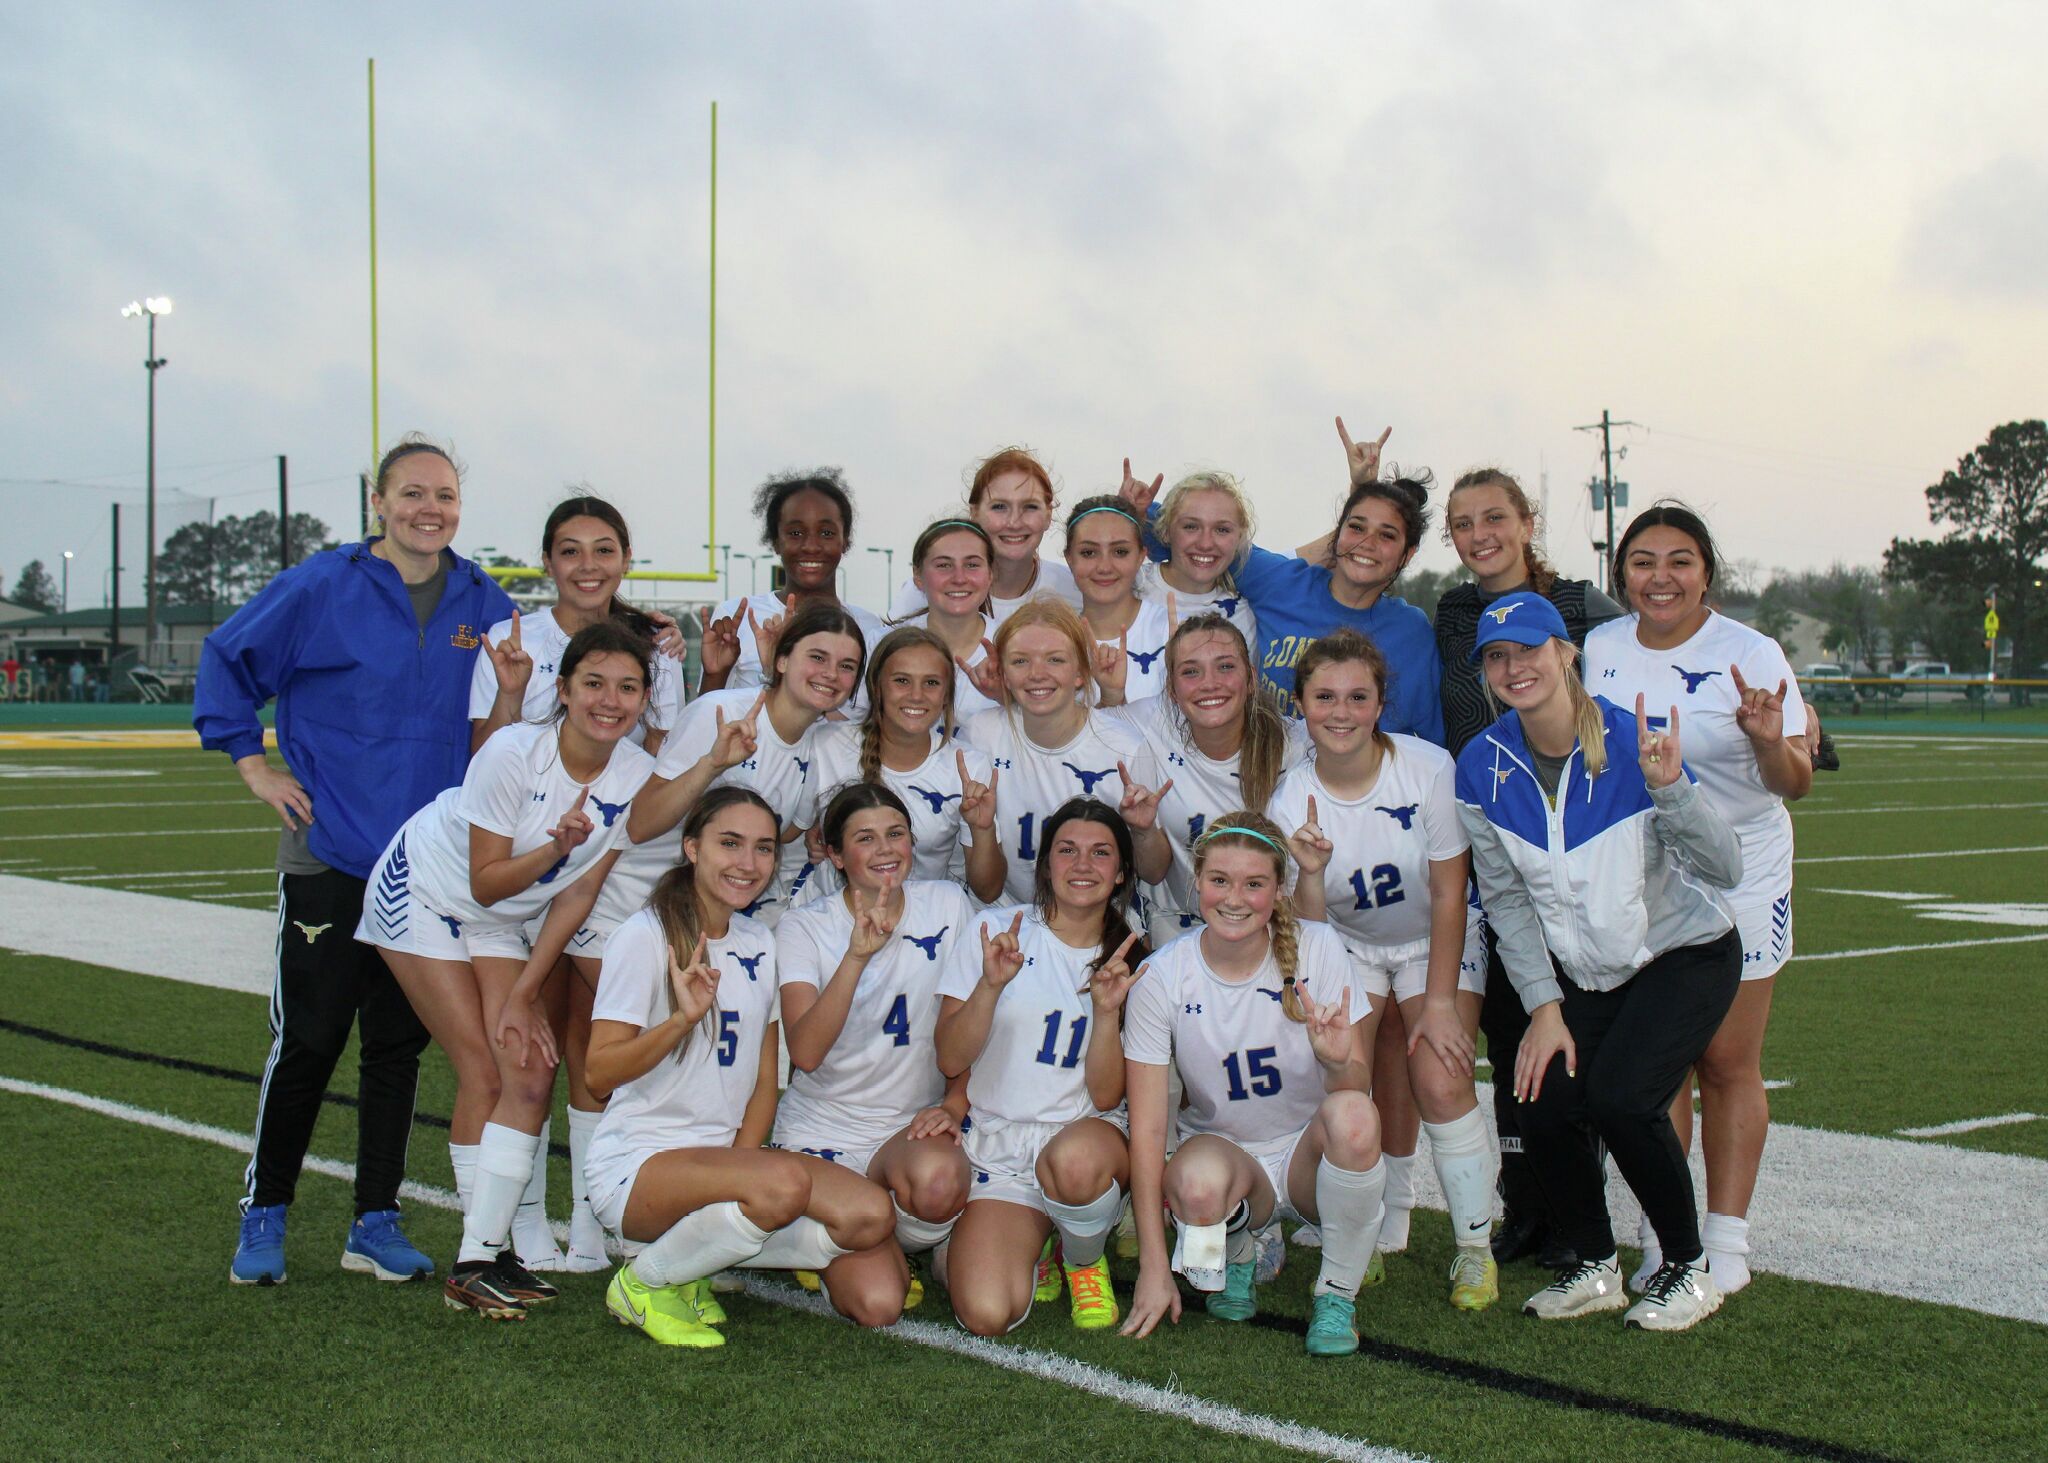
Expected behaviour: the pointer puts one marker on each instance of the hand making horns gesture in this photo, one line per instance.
(1140, 805)
(1657, 751)
(977, 799)
(1002, 957)
(1760, 715)
(1363, 458)
(1114, 978)
(734, 741)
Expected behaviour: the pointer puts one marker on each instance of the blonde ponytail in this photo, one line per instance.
(1586, 718)
(1286, 932)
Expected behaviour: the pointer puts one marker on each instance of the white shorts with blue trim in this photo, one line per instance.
(397, 917)
(1002, 1156)
(1765, 928)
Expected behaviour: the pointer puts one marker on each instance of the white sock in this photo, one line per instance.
(1084, 1228)
(1466, 1166)
(1726, 1240)
(462, 1158)
(918, 1235)
(504, 1164)
(582, 1128)
(701, 1243)
(531, 1237)
(1400, 1200)
(1240, 1240)
(803, 1245)
(1349, 1209)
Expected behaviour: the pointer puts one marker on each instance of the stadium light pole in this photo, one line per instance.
(65, 602)
(753, 569)
(152, 306)
(888, 572)
(724, 568)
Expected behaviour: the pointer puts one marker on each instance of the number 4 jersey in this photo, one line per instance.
(1033, 1067)
(1249, 1072)
(1376, 886)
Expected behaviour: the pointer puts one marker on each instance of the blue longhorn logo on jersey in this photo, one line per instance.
(1694, 679)
(749, 963)
(1227, 607)
(549, 876)
(1088, 779)
(1500, 613)
(609, 811)
(929, 943)
(1405, 816)
(803, 766)
(760, 903)
(454, 925)
(938, 800)
(1143, 659)
(1276, 995)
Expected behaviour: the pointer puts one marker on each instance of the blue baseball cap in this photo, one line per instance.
(1523, 618)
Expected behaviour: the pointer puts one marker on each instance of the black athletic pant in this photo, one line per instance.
(326, 982)
(1635, 1045)
(1503, 1021)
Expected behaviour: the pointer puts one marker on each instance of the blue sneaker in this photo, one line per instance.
(377, 1246)
(259, 1255)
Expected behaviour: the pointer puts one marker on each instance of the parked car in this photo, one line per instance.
(1825, 683)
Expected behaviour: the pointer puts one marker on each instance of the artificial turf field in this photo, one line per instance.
(122, 1336)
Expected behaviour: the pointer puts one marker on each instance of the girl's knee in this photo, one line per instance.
(1351, 1130)
(779, 1194)
(1197, 1193)
(870, 1303)
(868, 1220)
(984, 1310)
(1073, 1173)
(1439, 1096)
(936, 1192)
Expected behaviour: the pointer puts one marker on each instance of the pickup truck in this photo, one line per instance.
(1927, 681)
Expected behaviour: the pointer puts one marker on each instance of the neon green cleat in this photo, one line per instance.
(1048, 1273)
(914, 1296)
(665, 1314)
(1332, 1326)
(808, 1279)
(698, 1294)
(1093, 1298)
(1475, 1279)
(1375, 1271)
(1238, 1299)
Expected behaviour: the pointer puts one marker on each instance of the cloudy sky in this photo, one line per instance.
(1800, 244)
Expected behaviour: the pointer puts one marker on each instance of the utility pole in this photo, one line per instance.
(363, 501)
(1605, 427)
(114, 619)
(284, 518)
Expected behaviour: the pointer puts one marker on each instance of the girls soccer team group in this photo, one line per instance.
(1082, 895)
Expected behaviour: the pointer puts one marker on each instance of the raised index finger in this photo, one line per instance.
(515, 629)
(1345, 436)
(1735, 678)
(1642, 719)
(1312, 807)
(581, 794)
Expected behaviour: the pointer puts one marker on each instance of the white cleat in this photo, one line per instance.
(1594, 1286)
(1678, 1297)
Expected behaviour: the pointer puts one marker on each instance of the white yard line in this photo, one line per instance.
(179, 874)
(145, 803)
(269, 896)
(1906, 949)
(1971, 1125)
(1871, 858)
(1045, 1365)
(1918, 808)
(1886, 739)
(270, 828)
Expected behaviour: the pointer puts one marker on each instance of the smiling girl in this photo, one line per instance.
(952, 566)
(1105, 549)
(1011, 497)
(1205, 524)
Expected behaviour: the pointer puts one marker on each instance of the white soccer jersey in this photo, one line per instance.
(1054, 578)
(1694, 678)
(746, 670)
(931, 792)
(1144, 653)
(779, 771)
(696, 1102)
(883, 1069)
(1035, 780)
(1033, 1068)
(516, 786)
(1184, 605)
(1203, 790)
(1249, 1073)
(1376, 886)
(544, 641)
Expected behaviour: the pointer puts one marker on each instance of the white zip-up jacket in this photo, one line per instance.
(1606, 880)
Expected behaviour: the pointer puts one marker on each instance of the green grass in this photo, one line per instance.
(123, 1338)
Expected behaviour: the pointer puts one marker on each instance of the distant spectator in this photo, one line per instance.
(77, 678)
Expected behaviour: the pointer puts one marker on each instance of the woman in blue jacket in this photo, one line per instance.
(1603, 878)
(367, 650)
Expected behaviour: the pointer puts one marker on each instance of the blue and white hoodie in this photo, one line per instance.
(1606, 880)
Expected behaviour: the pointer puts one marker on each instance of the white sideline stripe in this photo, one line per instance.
(178, 874)
(149, 934)
(1971, 1125)
(1918, 808)
(1906, 949)
(1871, 858)
(270, 828)
(1880, 739)
(1045, 1365)
(86, 807)
(1052, 1367)
(268, 895)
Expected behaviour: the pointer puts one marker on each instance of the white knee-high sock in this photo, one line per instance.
(504, 1163)
(462, 1158)
(918, 1235)
(1349, 1207)
(1466, 1165)
(1399, 1200)
(1084, 1228)
(803, 1245)
(531, 1237)
(701, 1243)
(582, 1128)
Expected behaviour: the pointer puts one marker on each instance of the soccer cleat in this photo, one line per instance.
(1238, 1299)
(377, 1246)
(1272, 1254)
(516, 1279)
(1127, 1234)
(1475, 1279)
(1332, 1326)
(698, 1294)
(1092, 1298)
(913, 1296)
(1586, 1289)
(728, 1282)
(1048, 1280)
(1375, 1271)
(808, 1279)
(1678, 1297)
(474, 1285)
(259, 1253)
(664, 1314)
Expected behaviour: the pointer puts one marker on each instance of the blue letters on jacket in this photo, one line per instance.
(372, 710)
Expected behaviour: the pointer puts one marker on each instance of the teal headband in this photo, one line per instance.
(960, 523)
(1247, 832)
(1120, 512)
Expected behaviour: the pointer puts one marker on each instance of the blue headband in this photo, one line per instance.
(1118, 509)
(1217, 832)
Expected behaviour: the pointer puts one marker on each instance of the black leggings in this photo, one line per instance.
(1635, 1044)
(1503, 1021)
